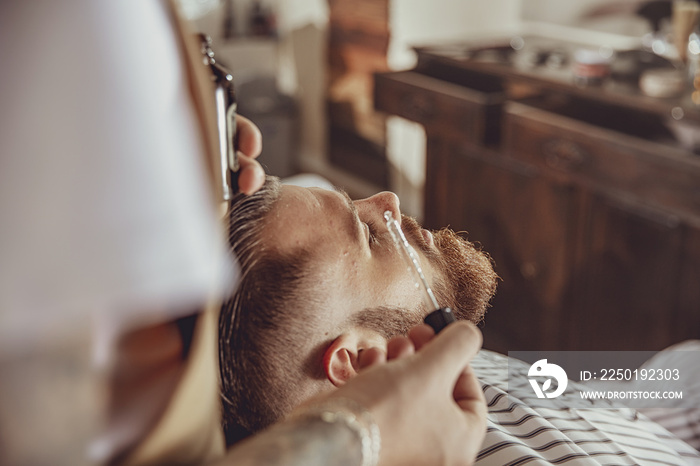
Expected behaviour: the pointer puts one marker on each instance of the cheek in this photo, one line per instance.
(383, 280)
(347, 279)
(394, 285)
(401, 282)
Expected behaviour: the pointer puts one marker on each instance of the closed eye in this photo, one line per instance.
(371, 232)
(369, 227)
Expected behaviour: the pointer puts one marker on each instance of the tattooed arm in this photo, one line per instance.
(302, 442)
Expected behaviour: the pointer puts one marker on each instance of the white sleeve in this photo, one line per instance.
(104, 203)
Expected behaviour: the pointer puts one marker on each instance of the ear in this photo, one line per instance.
(340, 358)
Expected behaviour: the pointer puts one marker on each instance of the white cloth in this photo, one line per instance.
(518, 433)
(104, 204)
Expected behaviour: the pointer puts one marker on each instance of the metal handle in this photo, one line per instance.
(225, 99)
(418, 107)
(562, 154)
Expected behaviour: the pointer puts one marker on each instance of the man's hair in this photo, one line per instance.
(259, 326)
(269, 330)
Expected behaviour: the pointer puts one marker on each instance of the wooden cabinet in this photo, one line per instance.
(522, 222)
(449, 110)
(589, 207)
(606, 148)
(627, 269)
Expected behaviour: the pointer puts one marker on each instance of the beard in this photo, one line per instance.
(466, 280)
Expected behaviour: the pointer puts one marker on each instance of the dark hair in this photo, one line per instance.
(259, 325)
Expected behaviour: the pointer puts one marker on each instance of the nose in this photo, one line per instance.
(373, 208)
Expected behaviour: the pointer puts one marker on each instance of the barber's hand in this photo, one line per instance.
(426, 400)
(251, 176)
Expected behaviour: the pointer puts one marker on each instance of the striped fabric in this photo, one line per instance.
(683, 422)
(519, 434)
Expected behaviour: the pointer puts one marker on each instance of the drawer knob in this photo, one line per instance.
(562, 154)
(418, 107)
(529, 270)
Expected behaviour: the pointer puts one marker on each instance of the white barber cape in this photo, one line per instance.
(107, 215)
(104, 203)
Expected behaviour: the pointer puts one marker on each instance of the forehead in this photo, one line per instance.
(302, 217)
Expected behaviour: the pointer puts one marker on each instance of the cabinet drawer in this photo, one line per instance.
(449, 110)
(636, 166)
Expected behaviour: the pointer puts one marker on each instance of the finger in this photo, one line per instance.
(468, 393)
(370, 357)
(249, 137)
(420, 335)
(251, 175)
(399, 347)
(447, 355)
(470, 398)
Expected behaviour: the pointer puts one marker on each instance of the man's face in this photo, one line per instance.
(357, 264)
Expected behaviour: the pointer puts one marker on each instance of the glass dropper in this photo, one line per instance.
(412, 260)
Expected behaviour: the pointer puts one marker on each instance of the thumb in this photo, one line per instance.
(251, 176)
(446, 356)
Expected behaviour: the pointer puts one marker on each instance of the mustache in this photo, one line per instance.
(412, 230)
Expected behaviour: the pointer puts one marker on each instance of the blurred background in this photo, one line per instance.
(563, 137)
